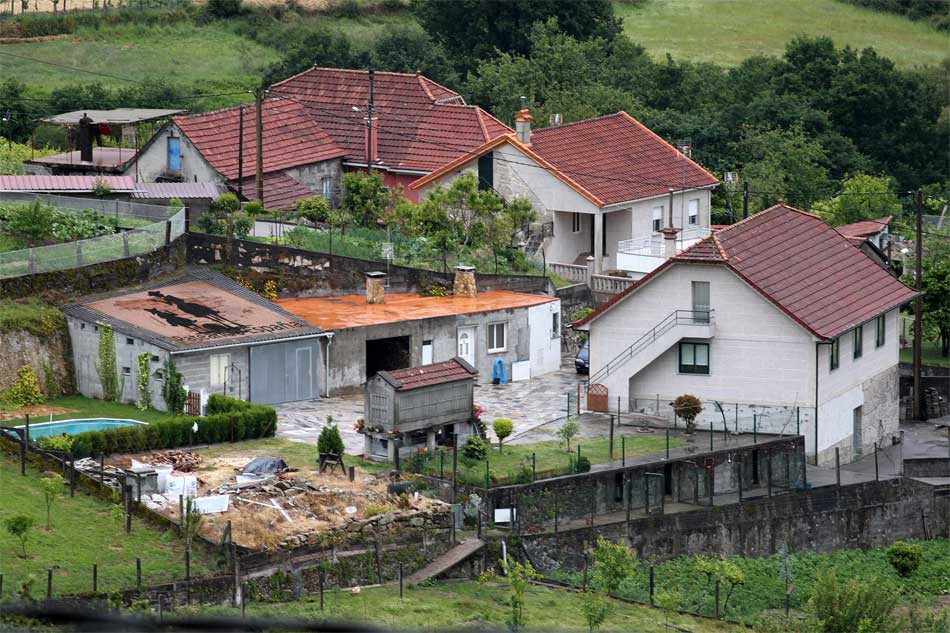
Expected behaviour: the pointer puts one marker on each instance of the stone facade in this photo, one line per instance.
(464, 283)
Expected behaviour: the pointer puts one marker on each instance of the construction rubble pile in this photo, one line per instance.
(182, 461)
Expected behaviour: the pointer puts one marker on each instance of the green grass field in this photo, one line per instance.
(83, 532)
(89, 408)
(472, 605)
(726, 32)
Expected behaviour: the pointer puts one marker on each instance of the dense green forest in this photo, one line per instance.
(796, 125)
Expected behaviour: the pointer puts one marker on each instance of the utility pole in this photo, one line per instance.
(259, 101)
(745, 199)
(369, 125)
(918, 303)
(241, 151)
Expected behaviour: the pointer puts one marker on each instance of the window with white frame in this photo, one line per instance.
(497, 337)
(219, 369)
(555, 324)
(657, 219)
(326, 188)
(694, 211)
(575, 222)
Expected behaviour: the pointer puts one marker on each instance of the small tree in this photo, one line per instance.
(568, 431)
(517, 576)
(855, 606)
(19, 526)
(330, 440)
(669, 601)
(904, 557)
(718, 568)
(315, 210)
(503, 427)
(226, 208)
(192, 522)
(52, 490)
(688, 407)
(596, 609)
(613, 564)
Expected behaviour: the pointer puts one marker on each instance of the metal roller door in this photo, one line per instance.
(285, 372)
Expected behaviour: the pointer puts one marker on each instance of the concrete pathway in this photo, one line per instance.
(446, 561)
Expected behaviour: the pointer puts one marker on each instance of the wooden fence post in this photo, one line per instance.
(95, 578)
(49, 584)
(138, 574)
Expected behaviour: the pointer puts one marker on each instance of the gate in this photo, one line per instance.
(193, 404)
(597, 399)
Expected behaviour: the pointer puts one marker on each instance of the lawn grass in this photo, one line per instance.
(929, 350)
(91, 408)
(551, 458)
(453, 605)
(31, 315)
(210, 57)
(725, 32)
(84, 532)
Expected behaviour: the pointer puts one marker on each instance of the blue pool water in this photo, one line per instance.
(72, 427)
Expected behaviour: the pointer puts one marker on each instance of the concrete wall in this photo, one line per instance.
(545, 341)
(85, 342)
(311, 176)
(348, 349)
(153, 160)
(872, 514)
(195, 369)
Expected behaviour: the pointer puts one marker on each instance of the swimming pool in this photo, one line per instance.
(73, 427)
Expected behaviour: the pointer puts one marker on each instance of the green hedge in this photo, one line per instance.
(227, 420)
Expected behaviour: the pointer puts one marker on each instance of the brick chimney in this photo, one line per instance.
(464, 285)
(372, 140)
(375, 287)
(523, 125)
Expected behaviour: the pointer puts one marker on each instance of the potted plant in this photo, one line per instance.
(688, 407)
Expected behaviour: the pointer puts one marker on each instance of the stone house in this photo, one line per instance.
(222, 338)
(778, 310)
(605, 188)
(493, 331)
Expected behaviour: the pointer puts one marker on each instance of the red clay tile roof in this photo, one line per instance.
(38, 183)
(421, 125)
(291, 137)
(281, 192)
(617, 159)
(428, 375)
(803, 266)
(865, 227)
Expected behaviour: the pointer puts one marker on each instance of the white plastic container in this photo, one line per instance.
(163, 470)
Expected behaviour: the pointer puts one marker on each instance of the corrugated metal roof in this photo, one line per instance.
(428, 375)
(865, 227)
(799, 263)
(101, 157)
(42, 184)
(180, 190)
(117, 116)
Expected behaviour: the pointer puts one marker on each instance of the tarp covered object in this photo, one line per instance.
(266, 465)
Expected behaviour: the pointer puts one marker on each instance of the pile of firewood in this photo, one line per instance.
(182, 461)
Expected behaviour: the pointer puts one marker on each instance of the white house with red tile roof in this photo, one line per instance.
(604, 187)
(777, 316)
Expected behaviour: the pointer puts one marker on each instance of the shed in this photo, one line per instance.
(418, 406)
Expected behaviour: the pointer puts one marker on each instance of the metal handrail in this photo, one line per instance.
(704, 318)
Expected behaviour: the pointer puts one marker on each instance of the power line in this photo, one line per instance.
(73, 68)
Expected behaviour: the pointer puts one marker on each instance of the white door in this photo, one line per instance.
(304, 373)
(466, 344)
(427, 352)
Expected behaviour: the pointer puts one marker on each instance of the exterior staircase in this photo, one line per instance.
(646, 349)
(446, 561)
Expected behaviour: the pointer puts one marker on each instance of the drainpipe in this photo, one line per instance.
(817, 344)
(327, 362)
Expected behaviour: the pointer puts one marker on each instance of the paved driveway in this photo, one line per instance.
(528, 404)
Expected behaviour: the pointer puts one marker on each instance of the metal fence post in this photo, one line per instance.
(651, 585)
(623, 450)
(138, 574)
(877, 474)
(95, 578)
(755, 428)
(611, 444)
(534, 467)
(667, 443)
(49, 584)
(798, 421)
(400, 580)
(718, 581)
(837, 466)
(768, 469)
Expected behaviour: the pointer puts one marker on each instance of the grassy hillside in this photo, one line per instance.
(727, 31)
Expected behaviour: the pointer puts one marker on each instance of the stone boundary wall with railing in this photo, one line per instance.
(309, 273)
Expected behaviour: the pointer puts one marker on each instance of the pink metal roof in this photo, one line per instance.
(101, 157)
(180, 190)
(39, 183)
(799, 263)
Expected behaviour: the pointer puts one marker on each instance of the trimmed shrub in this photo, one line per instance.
(227, 420)
(503, 427)
(475, 448)
(904, 557)
(583, 464)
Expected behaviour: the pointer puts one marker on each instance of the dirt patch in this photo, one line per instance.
(34, 410)
(265, 514)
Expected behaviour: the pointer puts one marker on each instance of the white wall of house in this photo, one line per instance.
(869, 382)
(758, 355)
(153, 160)
(545, 337)
(643, 211)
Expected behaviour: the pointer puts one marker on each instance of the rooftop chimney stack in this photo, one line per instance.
(464, 285)
(523, 123)
(375, 287)
(85, 139)
(669, 241)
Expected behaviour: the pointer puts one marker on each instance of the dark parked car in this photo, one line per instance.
(582, 360)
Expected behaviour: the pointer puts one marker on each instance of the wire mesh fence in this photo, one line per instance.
(149, 228)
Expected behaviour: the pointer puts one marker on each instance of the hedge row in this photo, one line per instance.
(227, 420)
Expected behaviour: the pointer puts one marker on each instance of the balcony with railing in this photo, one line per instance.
(644, 254)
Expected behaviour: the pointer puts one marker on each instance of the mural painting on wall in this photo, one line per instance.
(195, 312)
